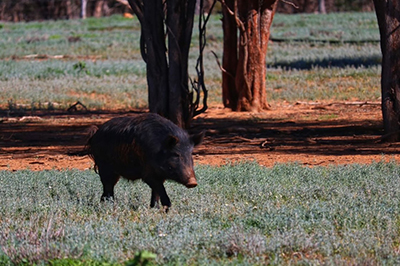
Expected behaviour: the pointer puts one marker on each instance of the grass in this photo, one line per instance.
(100, 85)
(335, 84)
(239, 215)
(120, 41)
(342, 27)
(328, 57)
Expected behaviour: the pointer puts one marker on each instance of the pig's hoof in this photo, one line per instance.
(155, 205)
(166, 209)
(107, 199)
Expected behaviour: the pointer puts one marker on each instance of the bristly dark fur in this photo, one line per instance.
(125, 134)
(147, 147)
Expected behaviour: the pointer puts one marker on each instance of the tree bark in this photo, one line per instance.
(83, 8)
(254, 19)
(68, 7)
(321, 7)
(180, 16)
(230, 58)
(156, 60)
(388, 15)
(167, 70)
(98, 8)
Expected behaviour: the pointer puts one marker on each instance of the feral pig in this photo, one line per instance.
(145, 146)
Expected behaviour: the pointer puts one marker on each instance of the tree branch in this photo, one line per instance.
(137, 7)
(124, 2)
(220, 67)
(200, 85)
(290, 3)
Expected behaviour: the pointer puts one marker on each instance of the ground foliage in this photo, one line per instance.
(239, 214)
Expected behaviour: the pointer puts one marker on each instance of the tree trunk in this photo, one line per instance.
(98, 8)
(167, 72)
(68, 7)
(321, 7)
(83, 8)
(254, 19)
(230, 58)
(388, 15)
(153, 36)
(180, 16)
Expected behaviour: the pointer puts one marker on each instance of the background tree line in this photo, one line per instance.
(27, 10)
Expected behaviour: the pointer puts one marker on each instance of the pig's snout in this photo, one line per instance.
(191, 183)
(191, 178)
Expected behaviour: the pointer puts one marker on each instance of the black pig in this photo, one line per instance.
(147, 147)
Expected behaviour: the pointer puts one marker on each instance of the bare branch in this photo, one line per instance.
(199, 86)
(137, 7)
(74, 107)
(290, 3)
(220, 67)
(124, 2)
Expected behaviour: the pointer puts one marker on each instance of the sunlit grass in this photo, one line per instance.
(346, 26)
(240, 214)
(335, 84)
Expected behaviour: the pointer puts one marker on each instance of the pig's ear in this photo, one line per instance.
(197, 138)
(171, 141)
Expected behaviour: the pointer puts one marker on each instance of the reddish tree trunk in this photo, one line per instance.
(98, 8)
(388, 14)
(69, 9)
(248, 92)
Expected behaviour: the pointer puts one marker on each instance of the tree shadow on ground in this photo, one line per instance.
(36, 130)
(67, 134)
(339, 137)
(329, 62)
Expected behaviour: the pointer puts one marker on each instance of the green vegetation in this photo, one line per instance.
(239, 215)
(325, 57)
(343, 27)
(75, 38)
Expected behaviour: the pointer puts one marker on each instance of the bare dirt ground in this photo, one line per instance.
(307, 133)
